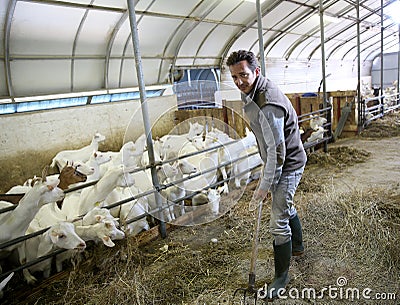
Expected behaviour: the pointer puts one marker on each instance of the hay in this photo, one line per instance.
(387, 126)
(339, 156)
(350, 234)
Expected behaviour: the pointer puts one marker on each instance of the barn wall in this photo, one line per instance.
(29, 141)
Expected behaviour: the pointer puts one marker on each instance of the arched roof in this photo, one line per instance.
(60, 46)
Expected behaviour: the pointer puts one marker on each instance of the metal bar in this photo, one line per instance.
(109, 47)
(398, 61)
(381, 47)
(7, 30)
(359, 100)
(144, 107)
(260, 37)
(78, 32)
(323, 60)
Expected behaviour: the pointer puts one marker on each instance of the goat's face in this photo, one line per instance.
(63, 235)
(83, 168)
(71, 174)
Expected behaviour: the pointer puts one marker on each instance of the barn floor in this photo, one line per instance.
(349, 202)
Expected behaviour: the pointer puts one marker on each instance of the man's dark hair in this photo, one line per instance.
(241, 55)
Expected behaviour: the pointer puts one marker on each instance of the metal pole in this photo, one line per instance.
(398, 66)
(323, 62)
(144, 107)
(359, 69)
(381, 100)
(260, 37)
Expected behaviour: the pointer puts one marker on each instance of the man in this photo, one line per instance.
(274, 123)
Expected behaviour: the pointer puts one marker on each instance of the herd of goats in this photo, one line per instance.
(106, 196)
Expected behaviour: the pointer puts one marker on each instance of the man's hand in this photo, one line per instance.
(258, 196)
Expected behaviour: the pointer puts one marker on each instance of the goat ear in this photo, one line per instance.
(107, 241)
(45, 246)
(99, 218)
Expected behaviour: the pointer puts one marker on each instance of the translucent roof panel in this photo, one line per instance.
(61, 46)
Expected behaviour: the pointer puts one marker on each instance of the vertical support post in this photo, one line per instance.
(381, 99)
(398, 67)
(260, 37)
(323, 64)
(359, 101)
(323, 60)
(145, 114)
(6, 39)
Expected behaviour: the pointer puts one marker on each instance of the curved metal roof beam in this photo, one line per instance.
(351, 38)
(248, 25)
(370, 46)
(7, 30)
(275, 39)
(171, 38)
(345, 29)
(109, 47)
(78, 32)
(310, 34)
(291, 25)
(213, 29)
(190, 29)
(128, 40)
(377, 53)
(76, 5)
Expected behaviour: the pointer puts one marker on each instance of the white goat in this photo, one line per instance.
(104, 231)
(4, 283)
(130, 210)
(317, 121)
(177, 191)
(95, 195)
(14, 223)
(83, 154)
(211, 197)
(317, 135)
(172, 144)
(129, 155)
(244, 165)
(60, 235)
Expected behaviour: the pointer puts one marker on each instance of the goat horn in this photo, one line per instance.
(44, 173)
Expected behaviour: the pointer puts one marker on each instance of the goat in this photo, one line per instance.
(14, 223)
(177, 191)
(317, 121)
(60, 235)
(4, 283)
(83, 154)
(104, 231)
(317, 135)
(96, 194)
(172, 144)
(211, 197)
(129, 155)
(244, 165)
(69, 175)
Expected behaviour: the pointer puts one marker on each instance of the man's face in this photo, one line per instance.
(243, 77)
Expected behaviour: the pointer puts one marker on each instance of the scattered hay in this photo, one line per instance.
(352, 235)
(339, 156)
(387, 126)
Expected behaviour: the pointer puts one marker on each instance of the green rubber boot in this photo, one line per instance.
(282, 255)
(297, 236)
